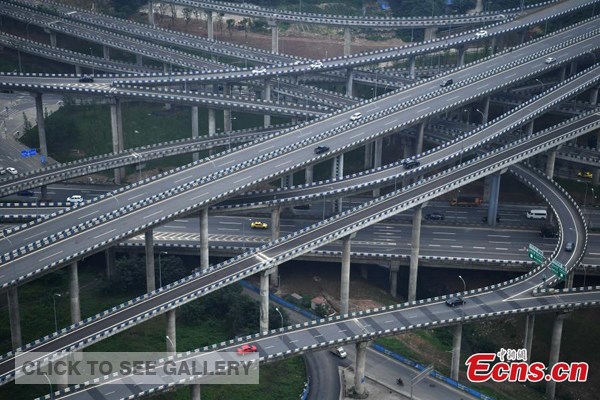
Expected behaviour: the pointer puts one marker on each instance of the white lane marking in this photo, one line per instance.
(51, 255)
(446, 240)
(357, 135)
(87, 215)
(227, 163)
(105, 233)
(453, 98)
(150, 215)
(184, 178)
(227, 229)
(198, 196)
(501, 248)
(390, 123)
(479, 248)
(435, 245)
(499, 236)
(230, 223)
(283, 163)
(136, 196)
(456, 247)
(32, 236)
(444, 233)
(423, 109)
(495, 242)
(243, 179)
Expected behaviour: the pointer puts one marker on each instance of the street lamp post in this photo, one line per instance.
(466, 110)
(92, 55)
(280, 314)
(54, 296)
(482, 115)
(49, 383)
(172, 344)
(541, 83)
(464, 292)
(160, 269)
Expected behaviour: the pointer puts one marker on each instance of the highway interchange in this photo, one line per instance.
(127, 212)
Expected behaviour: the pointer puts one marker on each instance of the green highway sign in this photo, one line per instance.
(535, 254)
(558, 269)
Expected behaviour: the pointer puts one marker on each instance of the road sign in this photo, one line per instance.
(43, 159)
(31, 152)
(558, 269)
(24, 153)
(535, 254)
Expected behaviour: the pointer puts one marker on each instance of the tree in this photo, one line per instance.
(187, 15)
(230, 25)
(173, 14)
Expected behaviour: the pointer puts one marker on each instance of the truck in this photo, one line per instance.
(466, 200)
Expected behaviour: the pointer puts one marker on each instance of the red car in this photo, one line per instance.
(246, 348)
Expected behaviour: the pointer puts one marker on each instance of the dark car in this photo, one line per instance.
(435, 216)
(455, 301)
(570, 246)
(26, 193)
(485, 219)
(86, 78)
(409, 164)
(549, 231)
(447, 83)
(321, 149)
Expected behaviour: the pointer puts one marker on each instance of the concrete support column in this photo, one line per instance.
(368, 156)
(493, 44)
(151, 13)
(264, 301)
(195, 130)
(14, 317)
(110, 262)
(53, 39)
(74, 293)
(414, 253)
(139, 61)
(411, 67)
(267, 97)
(106, 52)
(349, 81)
(377, 156)
(573, 68)
(275, 230)
(430, 33)
(596, 176)
(195, 391)
(550, 163)
(212, 126)
(359, 370)
(227, 122)
(149, 246)
(209, 25)
(394, 268)
(529, 325)
(485, 111)
(461, 56)
(78, 70)
(204, 263)
(171, 332)
(529, 128)
(345, 282)
(347, 41)
(41, 125)
(594, 96)
(554, 353)
(337, 172)
(562, 73)
(420, 136)
(493, 204)
(456, 341)
(115, 125)
(308, 174)
(274, 37)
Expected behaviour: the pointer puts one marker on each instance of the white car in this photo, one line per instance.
(481, 34)
(316, 64)
(12, 171)
(75, 199)
(259, 70)
(340, 352)
(550, 60)
(356, 116)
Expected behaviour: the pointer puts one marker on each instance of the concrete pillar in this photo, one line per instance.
(275, 230)
(110, 262)
(573, 68)
(461, 56)
(394, 268)
(41, 125)
(212, 126)
(14, 317)
(485, 110)
(114, 125)
(204, 252)
(308, 174)
(456, 341)
(195, 391)
(430, 33)
(337, 172)
(121, 138)
(347, 41)
(139, 61)
(149, 247)
(414, 253)
(106, 52)
(493, 44)
(493, 204)
(550, 163)
(74, 293)
(529, 325)
(195, 130)
(264, 301)
(359, 370)
(529, 128)
(420, 136)
(171, 332)
(53, 39)
(368, 156)
(267, 97)
(151, 13)
(562, 73)
(209, 25)
(523, 36)
(596, 176)
(594, 96)
(227, 122)
(274, 37)
(349, 80)
(411, 67)
(78, 70)
(378, 153)
(345, 282)
(554, 353)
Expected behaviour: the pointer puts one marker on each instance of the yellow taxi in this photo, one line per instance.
(258, 225)
(585, 174)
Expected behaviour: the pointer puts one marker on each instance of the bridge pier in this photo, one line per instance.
(204, 252)
(349, 79)
(275, 230)
(308, 174)
(554, 353)
(267, 97)
(227, 120)
(41, 124)
(594, 96)
(378, 154)
(139, 61)
(345, 282)
(529, 128)
(550, 161)
(74, 293)
(151, 12)
(110, 262)
(359, 370)
(106, 52)
(494, 194)
(420, 136)
(195, 391)
(528, 341)
(394, 268)
(78, 70)
(195, 130)
(171, 332)
(53, 39)
(486, 110)
(414, 252)
(274, 36)
(337, 172)
(573, 68)
(116, 125)
(209, 25)
(212, 126)
(596, 176)
(14, 317)
(264, 300)
(562, 73)
(368, 156)
(287, 180)
(411, 67)
(149, 246)
(430, 33)
(462, 50)
(347, 41)
(456, 342)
